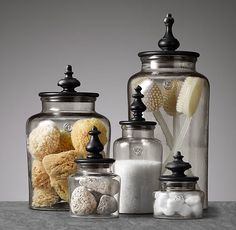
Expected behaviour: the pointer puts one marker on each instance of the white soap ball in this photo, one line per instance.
(175, 203)
(197, 210)
(161, 198)
(185, 210)
(157, 210)
(192, 200)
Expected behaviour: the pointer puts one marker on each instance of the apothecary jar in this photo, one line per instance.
(177, 98)
(56, 137)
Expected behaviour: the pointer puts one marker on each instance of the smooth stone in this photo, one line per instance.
(107, 205)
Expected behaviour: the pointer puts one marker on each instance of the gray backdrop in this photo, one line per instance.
(101, 39)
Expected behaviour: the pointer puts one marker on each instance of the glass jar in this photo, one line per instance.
(55, 137)
(94, 189)
(178, 198)
(138, 161)
(177, 98)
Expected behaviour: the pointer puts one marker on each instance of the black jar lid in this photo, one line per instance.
(94, 148)
(68, 84)
(137, 108)
(168, 44)
(178, 166)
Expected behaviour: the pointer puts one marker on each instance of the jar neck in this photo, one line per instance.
(172, 63)
(137, 132)
(177, 186)
(70, 107)
(96, 170)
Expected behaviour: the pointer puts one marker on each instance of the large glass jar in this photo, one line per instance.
(178, 197)
(55, 137)
(138, 161)
(177, 98)
(94, 189)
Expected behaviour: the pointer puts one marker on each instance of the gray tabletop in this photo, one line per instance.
(17, 215)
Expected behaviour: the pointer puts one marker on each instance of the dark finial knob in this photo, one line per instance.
(137, 107)
(178, 166)
(94, 147)
(69, 83)
(168, 42)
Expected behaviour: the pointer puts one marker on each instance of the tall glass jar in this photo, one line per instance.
(177, 98)
(55, 137)
(138, 161)
(94, 189)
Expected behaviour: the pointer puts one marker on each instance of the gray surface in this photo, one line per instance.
(16, 215)
(101, 39)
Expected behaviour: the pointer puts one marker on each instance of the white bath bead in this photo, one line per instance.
(175, 203)
(197, 210)
(185, 210)
(107, 205)
(192, 200)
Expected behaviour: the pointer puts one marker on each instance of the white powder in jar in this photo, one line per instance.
(139, 179)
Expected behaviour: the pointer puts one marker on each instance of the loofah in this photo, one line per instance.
(170, 94)
(44, 139)
(60, 165)
(80, 136)
(65, 143)
(189, 96)
(40, 178)
(43, 197)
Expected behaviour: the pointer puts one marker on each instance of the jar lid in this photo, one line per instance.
(94, 149)
(168, 44)
(68, 84)
(178, 166)
(137, 108)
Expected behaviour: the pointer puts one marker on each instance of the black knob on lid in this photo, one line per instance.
(94, 147)
(168, 42)
(137, 107)
(69, 83)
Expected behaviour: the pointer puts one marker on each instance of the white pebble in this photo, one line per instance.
(197, 210)
(192, 200)
(82, 201)
(107, 205)
(185, 210)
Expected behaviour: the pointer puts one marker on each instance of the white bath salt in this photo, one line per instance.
(139, 179)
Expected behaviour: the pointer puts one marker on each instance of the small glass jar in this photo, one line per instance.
(178, 198)
(177, 98)
(94, 189)
(138, 161)
(55, 137)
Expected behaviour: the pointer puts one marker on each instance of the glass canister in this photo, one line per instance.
(177, 98)
(94, 189)
(178, 198)
(56, 137)
(138, 160)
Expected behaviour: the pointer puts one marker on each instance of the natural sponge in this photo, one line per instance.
(40, 178)
(65, 143)
(61, 188)
(43, 197)
(44, 139)
(80, 136)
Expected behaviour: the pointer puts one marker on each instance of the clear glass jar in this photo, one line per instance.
(55, 137)
(138, 162)
(178, 198)
(177, 98)
(94, 189)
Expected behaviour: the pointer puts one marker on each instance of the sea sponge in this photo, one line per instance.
(60, 165)
(65, 143)
(170, 94)
(61, 188)
(80, 136)
(40, 178)
(43, 197)
(44, 139)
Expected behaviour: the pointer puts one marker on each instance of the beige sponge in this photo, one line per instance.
(44, 139)
(61, 188)
(43, 197)
(65, 143)
(80, 136)
(39, 176)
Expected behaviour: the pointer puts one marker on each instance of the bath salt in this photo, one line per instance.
(139, 179)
